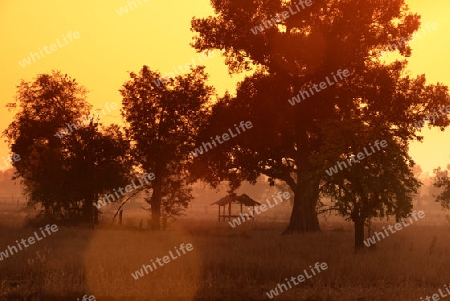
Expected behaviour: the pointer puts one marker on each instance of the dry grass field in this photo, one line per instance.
(225, 264)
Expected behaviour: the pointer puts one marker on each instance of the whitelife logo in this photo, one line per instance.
(53, 47)
(237, 221)
(30, 240)
(400, 44)
(225, 137)
(85, 120)
(361, 156)
(86, 298)
(322, 85)
(444, 111)
(436, 297)
(318, 267)
(124, 9)
(206, 55)
(280, 16)
(12, 158)
(397, 226)
(165, 259)
(127, 188)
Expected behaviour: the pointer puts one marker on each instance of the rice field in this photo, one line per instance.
(243, 263)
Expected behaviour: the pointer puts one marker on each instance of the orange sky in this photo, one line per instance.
(157, 33)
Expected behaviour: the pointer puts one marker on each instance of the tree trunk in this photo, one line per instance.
(306, 189)
(359, 235)
(88, 210)
(156, 204)
(94, 210)
(304, 216)
(95, 216)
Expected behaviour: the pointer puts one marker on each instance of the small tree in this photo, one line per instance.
(380, 185)
(162, 122)
(64, 174)
(442, 180)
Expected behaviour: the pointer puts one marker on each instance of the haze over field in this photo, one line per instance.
(224, 150)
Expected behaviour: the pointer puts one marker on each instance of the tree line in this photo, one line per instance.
(289, 144)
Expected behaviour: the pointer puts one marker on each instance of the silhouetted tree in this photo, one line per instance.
(163, 121)
(379, 185)
(291, 56)
(99, 163)
(63, 173)
(442, 181)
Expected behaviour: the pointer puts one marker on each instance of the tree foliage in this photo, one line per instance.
(442, 181)
(300, 51)
(380, 185)
(63, 175)
(162, 122)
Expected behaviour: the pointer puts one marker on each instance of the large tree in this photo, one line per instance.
(64, 174)
(302, 48)
(162, 122)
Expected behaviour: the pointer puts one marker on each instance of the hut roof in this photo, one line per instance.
(243, 199)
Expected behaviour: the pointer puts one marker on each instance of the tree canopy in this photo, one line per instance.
(162, 123)
(66, 174)
(301, 51)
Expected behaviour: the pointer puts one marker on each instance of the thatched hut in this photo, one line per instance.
(242, 200)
